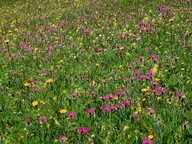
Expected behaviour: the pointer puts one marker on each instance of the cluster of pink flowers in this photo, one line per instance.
(146, 27)
(110, 108)
(108, 96)
(154, 58)
(159, 90)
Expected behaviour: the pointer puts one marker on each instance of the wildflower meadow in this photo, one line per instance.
(95, 72)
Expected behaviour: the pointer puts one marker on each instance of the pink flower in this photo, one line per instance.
(126, 103)
(90, 111)
(136, 73)
(35, 90)
(109, 96)
(62, 138)
(42, 119)
(126, 90)
(134, 116)
(176, 58)
(148, 48)
(154, 83)
(146, 140)
(141, 58)
(71, 114)
(28, 122)
(179, 95)
(151, 111)
(117, 106)
(118, 93)
(84, 130)
(73, 95)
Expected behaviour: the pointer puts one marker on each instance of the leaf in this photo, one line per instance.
(170, 139)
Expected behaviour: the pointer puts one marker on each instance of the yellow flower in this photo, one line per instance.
(6, 41)
(157, 79)
(62, 111)
(122, 48)
(171, 20)
(134, 45)
(151, 136)
(61, 61)
(115, 98)
(139, 109)
(97, 65)
(144, 89)
(127, 54)
(154, 69)
(49, 80)
(35, 103)
(26, 84)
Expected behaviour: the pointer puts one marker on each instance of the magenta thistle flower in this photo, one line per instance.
(35, 90)
(28, 122)
(146, 140)
(109, 96)
(84, 130)
(117, 106)
(90, 111)
(179, 95)
(118, 93)
(136, 73)
(126, 103)
(154, 83)
(42, 119)
(106, 108)
(62, 138)
(151, 111)
(141, 58)
(71, 114)
(73, 95)
(148, 48)
(176, 58)
(134, 115)
(126, 90)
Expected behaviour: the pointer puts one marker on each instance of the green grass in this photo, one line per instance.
(51, 50)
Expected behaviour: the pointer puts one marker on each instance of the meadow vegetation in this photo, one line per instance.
(95, 71)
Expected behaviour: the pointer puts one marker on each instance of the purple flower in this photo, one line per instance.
(104, 98)
(118, 93)
(134, 115)
(28, 122)
(117, 106)
(176, 58)
(42, 119)
(35, 90)
(126, 103)
(73, 95)
(141, 58)
(151, 111)
(71, 114)
(146, 140)
(126, 90)
(62, 138)
(90, 111)
(84, 130)
(106, 108)
(148, 48)
(109, 96)
(154, 83)
(179, 95)
(136, 73)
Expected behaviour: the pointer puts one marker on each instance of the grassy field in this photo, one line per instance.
(100, 71)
